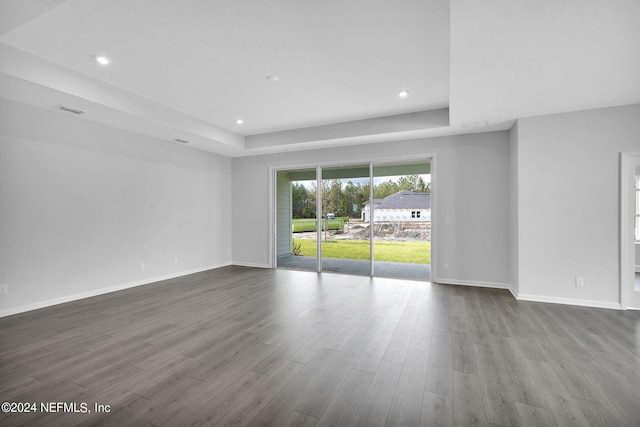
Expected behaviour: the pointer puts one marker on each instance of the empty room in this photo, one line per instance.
(320, 213)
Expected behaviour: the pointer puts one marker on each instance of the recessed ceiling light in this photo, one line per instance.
(273, 78)
(239, 121)
(103, 60)
(403, 94)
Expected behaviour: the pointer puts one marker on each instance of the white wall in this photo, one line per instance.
(82, 205)
(569, 203)
(472, 185)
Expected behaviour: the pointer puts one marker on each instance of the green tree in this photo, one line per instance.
(333, 198)
(303, 201)
(299, 200)
(385, 189)
(340, 201)
(310, 210)
(362, 195)
(351, 198)
(413, 183)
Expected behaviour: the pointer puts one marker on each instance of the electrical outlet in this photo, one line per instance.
(4, 289)
(446, 267)
(579, 282)
(142, 266)
(175, 260)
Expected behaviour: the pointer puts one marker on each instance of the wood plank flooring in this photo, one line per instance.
(246, 346)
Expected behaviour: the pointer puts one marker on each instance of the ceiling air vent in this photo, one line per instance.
(70, 110)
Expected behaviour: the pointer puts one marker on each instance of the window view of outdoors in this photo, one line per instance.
(401, 223)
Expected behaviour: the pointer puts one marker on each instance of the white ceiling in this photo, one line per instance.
(525, 58)
(188, 69)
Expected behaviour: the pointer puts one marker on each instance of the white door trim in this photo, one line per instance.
(628, 163)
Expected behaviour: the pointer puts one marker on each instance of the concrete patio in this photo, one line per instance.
(398, 270)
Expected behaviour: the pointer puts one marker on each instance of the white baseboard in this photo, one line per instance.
(494, 285)
(535, 298)
(569, 301)
(251, 264)
(83, 295)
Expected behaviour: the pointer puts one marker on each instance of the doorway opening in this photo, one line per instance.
(371, 219)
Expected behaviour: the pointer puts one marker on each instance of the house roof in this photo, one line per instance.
(405, 199)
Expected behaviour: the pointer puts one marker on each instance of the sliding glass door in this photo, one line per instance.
(296, 236)
(401, 220)
(345, 237)
(326, 218)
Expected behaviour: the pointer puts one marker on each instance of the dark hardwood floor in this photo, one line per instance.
(250, 346)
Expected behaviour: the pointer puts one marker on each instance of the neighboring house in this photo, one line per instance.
(405, 205)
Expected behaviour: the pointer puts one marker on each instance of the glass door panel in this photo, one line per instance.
(401, 220)
(344, 233)
(296, 235)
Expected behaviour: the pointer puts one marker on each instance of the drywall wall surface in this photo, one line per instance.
(83, 206)
(513, 207)
(569, 203)
(471, 187)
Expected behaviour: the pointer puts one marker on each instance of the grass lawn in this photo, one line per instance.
(409, 252)
(309, 224)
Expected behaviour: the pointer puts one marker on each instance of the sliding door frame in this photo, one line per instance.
(628, 163)
(273, 170)
(319, 219)
(372, 215)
